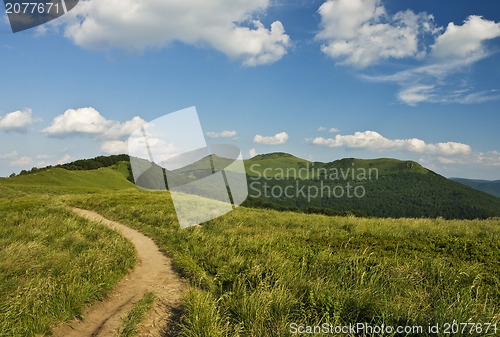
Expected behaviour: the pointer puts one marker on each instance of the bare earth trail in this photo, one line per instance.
(152, 272)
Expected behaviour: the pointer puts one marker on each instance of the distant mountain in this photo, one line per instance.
(489, 186)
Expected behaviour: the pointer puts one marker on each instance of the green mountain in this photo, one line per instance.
(378, 187)
(489, 186)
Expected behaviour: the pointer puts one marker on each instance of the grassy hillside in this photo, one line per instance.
(385, 187)
(277, 268)
(59, 180)
(52, 263)
(489, 186)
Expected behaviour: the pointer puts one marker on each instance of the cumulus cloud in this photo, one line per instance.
(463, 42)
(252, 153)
(23, 161)
(361, 32)
(458, 48)
(277, 139)
(371, 140)
(88, 121)
(229, 26)
(16, 121)
(78, 121)
(223, 134)
(123, 130)
(321, 128)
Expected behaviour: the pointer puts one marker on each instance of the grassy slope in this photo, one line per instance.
(52, 262)
(58, 181)
(280, 267)
(275, 268)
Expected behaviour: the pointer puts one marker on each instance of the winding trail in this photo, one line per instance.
(152, 272)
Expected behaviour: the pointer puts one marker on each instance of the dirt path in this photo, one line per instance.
(152, 272)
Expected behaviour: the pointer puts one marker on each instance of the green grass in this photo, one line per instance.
(52, 263)
(130, 325)
(253, 272)
(61, 181)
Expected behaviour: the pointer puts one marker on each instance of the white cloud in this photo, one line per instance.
(277, 139)
(227, 25)
(64, 159)
(16, 121)
(456, 50)
(223, 134)
(488, 158)
(461, 42)
(371, 140)
(416, 94)
(331, 130)
(491, 158)
(23, 161)
(120, 131)
(114, 147)
(88, 121)
(361, 32)
(252, 153)
(79, 121)
(9, 155)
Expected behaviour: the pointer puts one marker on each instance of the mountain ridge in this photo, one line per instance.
(398, 189)
(488, 186)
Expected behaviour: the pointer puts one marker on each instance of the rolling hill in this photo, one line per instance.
(57, 180)
(379, 187)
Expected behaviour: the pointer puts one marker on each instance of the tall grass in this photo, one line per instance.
(130, 324)
(254, 272)
(52, 263)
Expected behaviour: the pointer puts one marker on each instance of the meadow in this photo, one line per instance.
(252, 272)
(53, 263)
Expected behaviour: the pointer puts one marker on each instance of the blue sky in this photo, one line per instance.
(416, 80)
